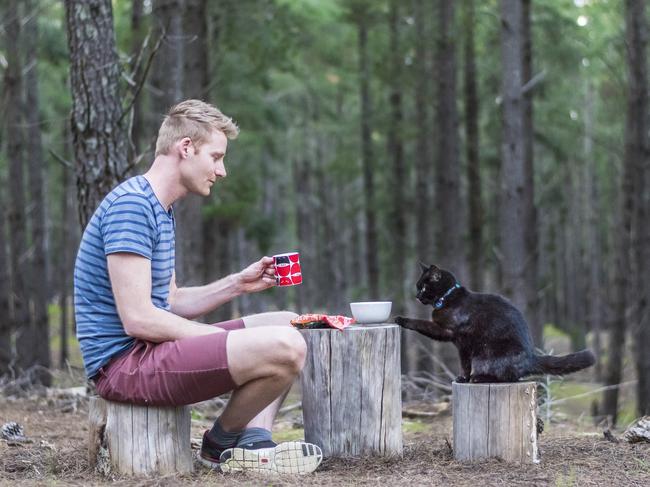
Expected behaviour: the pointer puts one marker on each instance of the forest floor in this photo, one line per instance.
(573, 452)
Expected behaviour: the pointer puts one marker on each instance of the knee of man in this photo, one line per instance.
(290, 348)
(287, 316)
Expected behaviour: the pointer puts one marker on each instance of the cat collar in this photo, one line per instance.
(441, 302)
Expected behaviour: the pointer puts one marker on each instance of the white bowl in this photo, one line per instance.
(371, 311)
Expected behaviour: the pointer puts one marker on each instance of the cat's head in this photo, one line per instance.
(433, 283)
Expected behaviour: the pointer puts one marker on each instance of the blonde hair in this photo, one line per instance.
(195, 119)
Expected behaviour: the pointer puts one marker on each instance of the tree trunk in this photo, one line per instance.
(138, 128)
(422, 347)
(99, 136)
(530, 210)
(474, 190)
(13, 84)
(5, 318)
(637, 38)
(64, 272)
(635, 152)
(351, 391)
(37, 341)
(189, 221)
(512, 206)
(594, 253)
(367, 160)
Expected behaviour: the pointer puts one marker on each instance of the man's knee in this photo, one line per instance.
(290, 348)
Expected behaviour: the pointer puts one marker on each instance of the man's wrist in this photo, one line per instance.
(237, 283)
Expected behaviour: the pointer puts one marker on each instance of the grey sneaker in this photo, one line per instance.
(290, 457)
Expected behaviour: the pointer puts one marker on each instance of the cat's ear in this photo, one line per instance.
(423, 267)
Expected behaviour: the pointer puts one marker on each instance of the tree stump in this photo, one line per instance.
(140, 440)
(351, 390)
(495, 420)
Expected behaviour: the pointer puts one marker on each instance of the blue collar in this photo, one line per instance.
(441, 302)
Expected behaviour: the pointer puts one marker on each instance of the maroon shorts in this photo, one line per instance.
(171, 373)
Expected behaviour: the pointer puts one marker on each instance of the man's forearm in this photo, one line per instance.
(190, 302)
(158, 325)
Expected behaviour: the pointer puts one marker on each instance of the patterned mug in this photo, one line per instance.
(287, 269)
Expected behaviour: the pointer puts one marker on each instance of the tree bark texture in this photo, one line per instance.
(474, 190)
(495, 421)
(530, 217)
(351, 393)
(367, 160)
(512, 205)
(36, 342)
(5, 317)
(17, 220)
(637, 39)
(138, 34)
(99, 136)
(138, 440)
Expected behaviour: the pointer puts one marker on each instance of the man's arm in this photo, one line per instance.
(130, 276)
(191, 302)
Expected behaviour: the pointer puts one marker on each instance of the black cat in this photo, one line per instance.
(491, 335)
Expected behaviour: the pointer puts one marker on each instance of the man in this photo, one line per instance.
(134, 325)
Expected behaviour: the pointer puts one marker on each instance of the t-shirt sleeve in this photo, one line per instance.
(129, 225)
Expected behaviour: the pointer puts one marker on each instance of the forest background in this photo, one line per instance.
(505, 141)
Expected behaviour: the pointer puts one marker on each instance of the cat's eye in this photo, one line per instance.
(436, 277)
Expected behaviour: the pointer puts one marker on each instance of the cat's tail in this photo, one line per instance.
(548, 364)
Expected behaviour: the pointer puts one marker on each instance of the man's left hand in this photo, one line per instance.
(258, 276)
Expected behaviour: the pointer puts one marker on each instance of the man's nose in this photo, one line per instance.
(220, 171)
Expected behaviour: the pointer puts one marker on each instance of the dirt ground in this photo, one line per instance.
(571, 455)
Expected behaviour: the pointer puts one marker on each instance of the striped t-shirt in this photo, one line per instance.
(129, 219)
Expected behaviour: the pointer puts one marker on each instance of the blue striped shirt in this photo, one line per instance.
(129, 219)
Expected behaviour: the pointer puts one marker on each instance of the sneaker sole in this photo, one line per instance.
(207, 463)
(291, 457)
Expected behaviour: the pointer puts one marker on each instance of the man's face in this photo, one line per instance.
(202, 167)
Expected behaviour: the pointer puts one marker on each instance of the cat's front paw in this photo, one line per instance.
(401, 321)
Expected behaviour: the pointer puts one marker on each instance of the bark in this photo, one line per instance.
(512, 204)
(5, 318)
(636, 150)
(637, 39)
(138, 34)
(476, 216)
(64, 284)
(367, 160)
(189, 221)
(530, 210)
(13, 84)
(99, 135)
(37, 341)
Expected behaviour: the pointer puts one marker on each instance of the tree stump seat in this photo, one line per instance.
(351, 390)
(138, 440)
(495, 421)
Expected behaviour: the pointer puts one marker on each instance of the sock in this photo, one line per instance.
(226, 439)
(253, 435)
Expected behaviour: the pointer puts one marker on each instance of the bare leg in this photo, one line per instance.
(264, 363)
(272, 318)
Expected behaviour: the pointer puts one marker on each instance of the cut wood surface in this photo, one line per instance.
(495, 420)
(351, 390)
(141, 440)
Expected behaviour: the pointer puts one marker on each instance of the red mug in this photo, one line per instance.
(287, 269)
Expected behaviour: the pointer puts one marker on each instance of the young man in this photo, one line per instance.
(134, 325)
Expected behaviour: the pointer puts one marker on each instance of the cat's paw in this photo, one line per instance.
(401, 321)
(461, 379)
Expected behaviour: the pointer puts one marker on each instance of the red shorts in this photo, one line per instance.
(172, 373)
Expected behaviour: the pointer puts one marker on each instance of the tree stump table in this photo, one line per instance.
(495, 420)
(351, 390)
(140, 440)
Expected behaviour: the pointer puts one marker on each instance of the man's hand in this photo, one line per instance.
(258, 276)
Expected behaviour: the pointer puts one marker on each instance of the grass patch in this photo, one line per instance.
(410, 426)
(289, 434)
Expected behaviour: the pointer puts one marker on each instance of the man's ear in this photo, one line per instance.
(185, 145)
